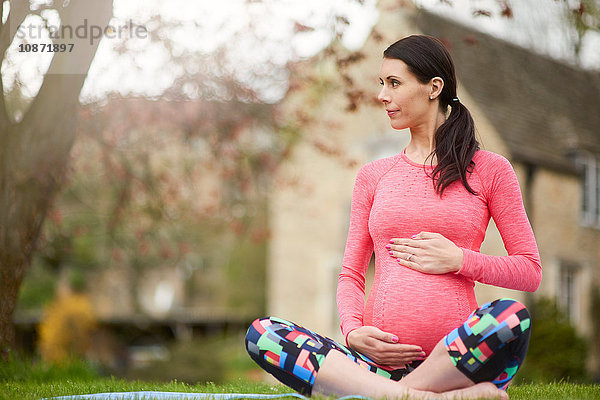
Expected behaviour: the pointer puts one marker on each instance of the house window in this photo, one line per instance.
(568, 295)
(590, 204)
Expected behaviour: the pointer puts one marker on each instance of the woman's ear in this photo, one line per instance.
(437, 84)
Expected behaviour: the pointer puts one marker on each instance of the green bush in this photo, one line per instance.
(38, 287)
(556, 352)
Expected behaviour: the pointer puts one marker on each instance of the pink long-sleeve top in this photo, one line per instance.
(395, 198)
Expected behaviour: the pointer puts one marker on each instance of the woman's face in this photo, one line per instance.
(405, 98)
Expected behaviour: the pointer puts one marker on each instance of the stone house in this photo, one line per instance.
(539, 113)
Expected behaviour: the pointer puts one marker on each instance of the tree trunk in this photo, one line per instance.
(34, 154)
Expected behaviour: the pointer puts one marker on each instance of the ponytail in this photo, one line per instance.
(455, 146)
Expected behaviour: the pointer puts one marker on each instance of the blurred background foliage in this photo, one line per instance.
(145, 190)
(556, 352)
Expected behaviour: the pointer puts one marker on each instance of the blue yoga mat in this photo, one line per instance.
(147, 395)
(185, 396)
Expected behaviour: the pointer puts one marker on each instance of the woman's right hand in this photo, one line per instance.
(383, 347)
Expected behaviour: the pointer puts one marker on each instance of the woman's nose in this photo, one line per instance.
(382, 96)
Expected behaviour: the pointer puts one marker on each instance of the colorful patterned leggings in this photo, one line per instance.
(489, 346)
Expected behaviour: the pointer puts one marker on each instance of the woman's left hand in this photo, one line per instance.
(427, 252)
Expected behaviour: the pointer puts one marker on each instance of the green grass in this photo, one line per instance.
(26, 380)
(37, 390)
(551, 391)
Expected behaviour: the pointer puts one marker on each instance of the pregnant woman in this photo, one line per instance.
(424, 213)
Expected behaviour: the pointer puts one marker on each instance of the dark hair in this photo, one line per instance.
(454, 141)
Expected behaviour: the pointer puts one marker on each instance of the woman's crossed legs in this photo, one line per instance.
(489, 347)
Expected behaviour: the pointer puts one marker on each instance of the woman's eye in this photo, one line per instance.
(393, 83)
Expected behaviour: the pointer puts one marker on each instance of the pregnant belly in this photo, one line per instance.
(419, 308)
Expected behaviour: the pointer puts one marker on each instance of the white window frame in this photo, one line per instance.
(568, 293)
(590, 190)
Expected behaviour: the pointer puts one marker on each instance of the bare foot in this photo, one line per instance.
(483, 390)
(422, 395)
